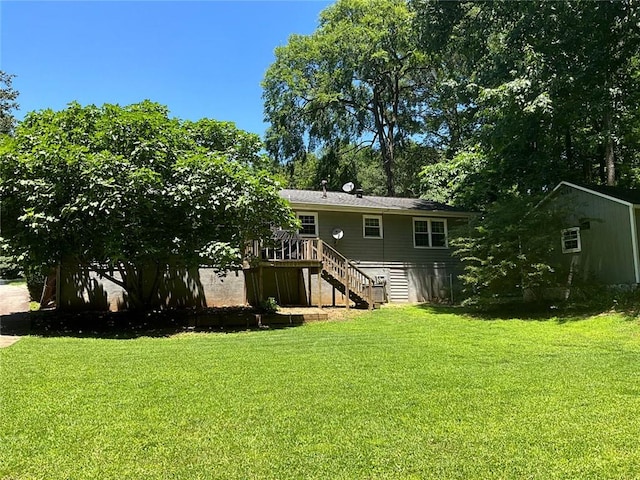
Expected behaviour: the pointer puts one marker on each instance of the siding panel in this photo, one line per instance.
(607, 252)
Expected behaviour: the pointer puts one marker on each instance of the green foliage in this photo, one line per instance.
(8, 96)
(35, 282)
(358, 79)
(405, 392)
(464, 181)
(133, 190)
(361, 166)
(510, 249)
(543, 92)
(269, 305)
(9, 268)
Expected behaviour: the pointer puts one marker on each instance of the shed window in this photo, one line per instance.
(571, 240)
(429, 233)
(308, 224)
(372, 226)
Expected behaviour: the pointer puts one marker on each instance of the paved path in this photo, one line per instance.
(13, 299)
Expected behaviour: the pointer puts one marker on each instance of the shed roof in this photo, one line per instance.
(344, 201)
(625, 195)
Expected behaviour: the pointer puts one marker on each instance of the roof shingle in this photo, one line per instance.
(341, 199)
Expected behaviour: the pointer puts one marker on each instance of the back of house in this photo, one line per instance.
(351, 249)
(402, 243)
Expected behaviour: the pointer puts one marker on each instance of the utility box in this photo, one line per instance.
(379, 294)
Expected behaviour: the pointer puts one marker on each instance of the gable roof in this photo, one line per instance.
(617, 194)
(313, 199)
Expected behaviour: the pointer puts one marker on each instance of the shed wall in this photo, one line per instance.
(607, 250)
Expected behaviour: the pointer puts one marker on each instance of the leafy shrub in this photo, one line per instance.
(269, 305)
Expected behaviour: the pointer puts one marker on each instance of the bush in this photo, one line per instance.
(35, 284)
(269, 305)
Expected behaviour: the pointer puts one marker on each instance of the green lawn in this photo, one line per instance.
(398, 393)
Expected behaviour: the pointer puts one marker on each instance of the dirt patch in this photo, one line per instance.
(332, 313)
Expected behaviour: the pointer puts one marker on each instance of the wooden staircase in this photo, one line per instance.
(336, 269)
(345, 277)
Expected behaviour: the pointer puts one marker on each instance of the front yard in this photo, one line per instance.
(406, 392)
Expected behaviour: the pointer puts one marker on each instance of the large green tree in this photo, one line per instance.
(553, 89)
(133, 191)
(359, 79)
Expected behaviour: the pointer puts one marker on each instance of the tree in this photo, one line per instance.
(359, 79)
(511, 249)
(8, 103)
(553, 88)
(134, 192)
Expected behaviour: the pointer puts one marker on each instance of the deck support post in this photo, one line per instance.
(319, 287)
(260, 286)
(309, 286)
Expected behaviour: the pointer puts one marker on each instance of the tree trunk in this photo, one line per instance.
(132, 282)
(609, 155)
(610, 161)
(385, 140)
(387, 163)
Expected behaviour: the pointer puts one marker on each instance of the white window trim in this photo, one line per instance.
(315, 221)
(429, 220)
(562, 239)
(379, 218)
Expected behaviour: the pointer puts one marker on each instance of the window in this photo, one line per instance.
(372, 226)
(571, 240)
(309, 224)
(429, 233)
(421, 233)
(438, 234)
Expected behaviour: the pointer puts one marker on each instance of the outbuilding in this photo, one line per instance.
(599, 241)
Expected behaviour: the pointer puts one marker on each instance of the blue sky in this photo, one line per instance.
(199, 58)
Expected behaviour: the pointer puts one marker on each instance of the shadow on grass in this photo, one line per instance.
(531, 311)
(130, 325)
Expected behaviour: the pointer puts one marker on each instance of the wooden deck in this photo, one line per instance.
(319, 258)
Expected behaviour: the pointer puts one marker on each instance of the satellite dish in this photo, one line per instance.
(348, 187)
(337, 233)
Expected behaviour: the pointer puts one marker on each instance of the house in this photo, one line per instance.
(351, 249)
(600, 239)
(399, 244)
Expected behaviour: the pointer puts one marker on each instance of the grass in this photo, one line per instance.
(407, 392)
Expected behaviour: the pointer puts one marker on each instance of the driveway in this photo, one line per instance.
(14, 299)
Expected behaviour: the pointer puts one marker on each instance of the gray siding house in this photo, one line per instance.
(351, 249)
(400, 243)
(600, 241)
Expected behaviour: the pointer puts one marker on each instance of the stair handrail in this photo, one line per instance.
(352, 277)
(333, 262)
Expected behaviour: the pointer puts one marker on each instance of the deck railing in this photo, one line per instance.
(301, 249)
(333, 262)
